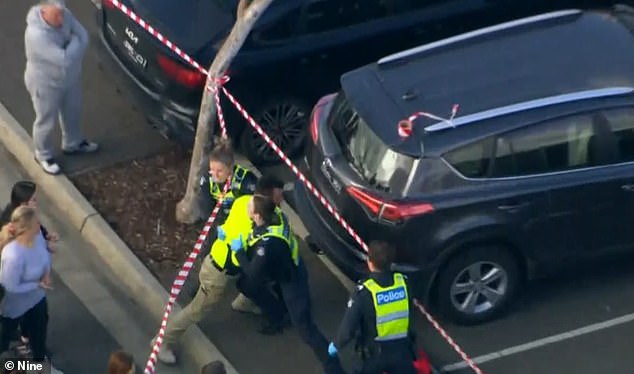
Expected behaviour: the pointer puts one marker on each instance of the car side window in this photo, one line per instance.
(327, 15)
(558, 145)
(472, 160)
(622, 129)
(282, 29)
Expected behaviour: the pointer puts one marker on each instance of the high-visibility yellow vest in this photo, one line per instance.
(391, 305)
(237, 223)
(282, 231)
(215, 189)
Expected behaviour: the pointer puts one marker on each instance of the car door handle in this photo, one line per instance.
(628, 187)
(514, 206)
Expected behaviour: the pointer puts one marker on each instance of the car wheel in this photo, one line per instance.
(477, 285)
(285, 121)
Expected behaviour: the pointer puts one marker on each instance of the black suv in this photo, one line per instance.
(536, 169)
(295, 54)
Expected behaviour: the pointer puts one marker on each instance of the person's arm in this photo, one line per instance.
(43, 49)
(248, 184)
(205, 194)
(255, 269)
(78, 29)
(12, 275)
(352, 319)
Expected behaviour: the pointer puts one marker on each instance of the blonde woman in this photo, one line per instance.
(25, 273)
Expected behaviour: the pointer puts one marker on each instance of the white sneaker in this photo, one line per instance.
(244, 305)
(165, 355)
(50, 166)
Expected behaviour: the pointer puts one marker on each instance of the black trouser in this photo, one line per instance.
(396, 359)
(296, 296)
(36, 322)
(262, 295)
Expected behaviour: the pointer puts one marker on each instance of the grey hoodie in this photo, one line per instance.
(53, 55)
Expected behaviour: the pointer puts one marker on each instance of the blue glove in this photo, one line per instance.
(236, 244)
(332, 350)
(222, 235)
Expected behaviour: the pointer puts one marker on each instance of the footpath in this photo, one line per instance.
(92, 313)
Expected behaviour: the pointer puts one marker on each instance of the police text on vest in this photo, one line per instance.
(390, 296)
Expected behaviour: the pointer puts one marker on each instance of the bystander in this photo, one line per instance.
(25, 273)
(55, 43)
(121, 362)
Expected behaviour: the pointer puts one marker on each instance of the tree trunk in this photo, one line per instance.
(190, 208)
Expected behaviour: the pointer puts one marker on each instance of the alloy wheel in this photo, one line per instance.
(479, 287)
(285, 123)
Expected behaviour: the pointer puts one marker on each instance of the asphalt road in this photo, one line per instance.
(545, 332)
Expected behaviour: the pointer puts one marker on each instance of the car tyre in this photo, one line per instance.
(478, 285)
(285, 120)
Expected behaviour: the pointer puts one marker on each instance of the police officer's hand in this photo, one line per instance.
(222, 235)
(332, 350)
(236, 244)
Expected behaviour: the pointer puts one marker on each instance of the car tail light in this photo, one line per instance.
(185, 76)
(315, 117)
(314, 124)
(390, 211)
(108, 4)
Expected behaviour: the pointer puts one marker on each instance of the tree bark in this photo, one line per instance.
(190, 208)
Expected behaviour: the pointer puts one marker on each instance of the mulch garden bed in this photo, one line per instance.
(138, 199)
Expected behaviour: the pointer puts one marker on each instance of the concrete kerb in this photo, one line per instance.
(139, 282)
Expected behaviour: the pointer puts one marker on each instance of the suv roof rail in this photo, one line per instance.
(480, 32)
(531, 104)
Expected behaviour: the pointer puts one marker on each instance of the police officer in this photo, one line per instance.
(379, 313)
(217, 271)
(239, 223)
(222, 166)
(271, 253)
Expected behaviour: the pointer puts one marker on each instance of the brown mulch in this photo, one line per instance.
(138, 199)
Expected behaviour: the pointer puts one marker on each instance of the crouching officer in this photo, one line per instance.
(379, 314)
(271, 253)
(222, 166)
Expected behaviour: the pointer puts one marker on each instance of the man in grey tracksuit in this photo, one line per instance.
(55, 43)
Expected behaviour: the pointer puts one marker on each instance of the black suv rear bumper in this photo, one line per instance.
(341, 253)
(170, 119)
(337, 250)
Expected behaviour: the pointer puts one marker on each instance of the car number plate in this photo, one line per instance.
(134, 55)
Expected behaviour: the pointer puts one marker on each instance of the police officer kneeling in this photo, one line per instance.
(379, 311)
(270, 254)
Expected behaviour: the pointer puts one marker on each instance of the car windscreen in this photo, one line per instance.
(375, 161)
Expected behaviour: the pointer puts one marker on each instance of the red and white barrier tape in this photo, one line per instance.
(406, 126)
(215, 82)
(341, 220)
(216, 86)
(296, 170)
(177, 286)
(448, 338)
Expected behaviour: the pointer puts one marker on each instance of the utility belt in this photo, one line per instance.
(369, 349)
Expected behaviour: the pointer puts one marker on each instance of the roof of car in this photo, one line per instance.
(572, 52)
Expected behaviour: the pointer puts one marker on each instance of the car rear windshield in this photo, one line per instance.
(625, 15)
(379, 165)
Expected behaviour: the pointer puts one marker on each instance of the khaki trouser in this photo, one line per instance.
(213, 284)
